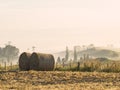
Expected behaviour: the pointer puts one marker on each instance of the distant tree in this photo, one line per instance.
(67, 54)
(33, 48)
(63, 59)
(91, 46)
(58, 60)
(10, 52)
(75, 54)
(63, 62)
(0, 52)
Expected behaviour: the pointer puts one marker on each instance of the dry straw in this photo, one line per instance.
(42, 62)
(24, 60)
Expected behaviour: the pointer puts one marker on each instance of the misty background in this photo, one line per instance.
(51, 25)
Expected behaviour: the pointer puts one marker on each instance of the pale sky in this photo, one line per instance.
(51, 25)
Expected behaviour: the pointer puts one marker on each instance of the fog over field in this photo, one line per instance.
(51, 25)
(59, 44)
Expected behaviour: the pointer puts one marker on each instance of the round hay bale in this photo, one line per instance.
(42, 62)
(24, 60)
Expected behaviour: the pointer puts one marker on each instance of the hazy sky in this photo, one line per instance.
(52, 25)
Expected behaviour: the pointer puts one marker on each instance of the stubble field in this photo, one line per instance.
(59, 80)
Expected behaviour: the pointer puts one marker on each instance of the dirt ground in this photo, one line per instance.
(55, 80)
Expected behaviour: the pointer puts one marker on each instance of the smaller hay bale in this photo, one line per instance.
(24, 60)
(42, 62)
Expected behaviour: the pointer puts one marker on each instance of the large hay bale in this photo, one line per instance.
(42, 62)
(24, 61)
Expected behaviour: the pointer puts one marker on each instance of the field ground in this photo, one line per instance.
(59, 80)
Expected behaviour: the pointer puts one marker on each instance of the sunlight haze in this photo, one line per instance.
(51, 25)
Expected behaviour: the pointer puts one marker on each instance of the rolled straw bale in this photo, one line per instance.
(42, 62)
(24, 61)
